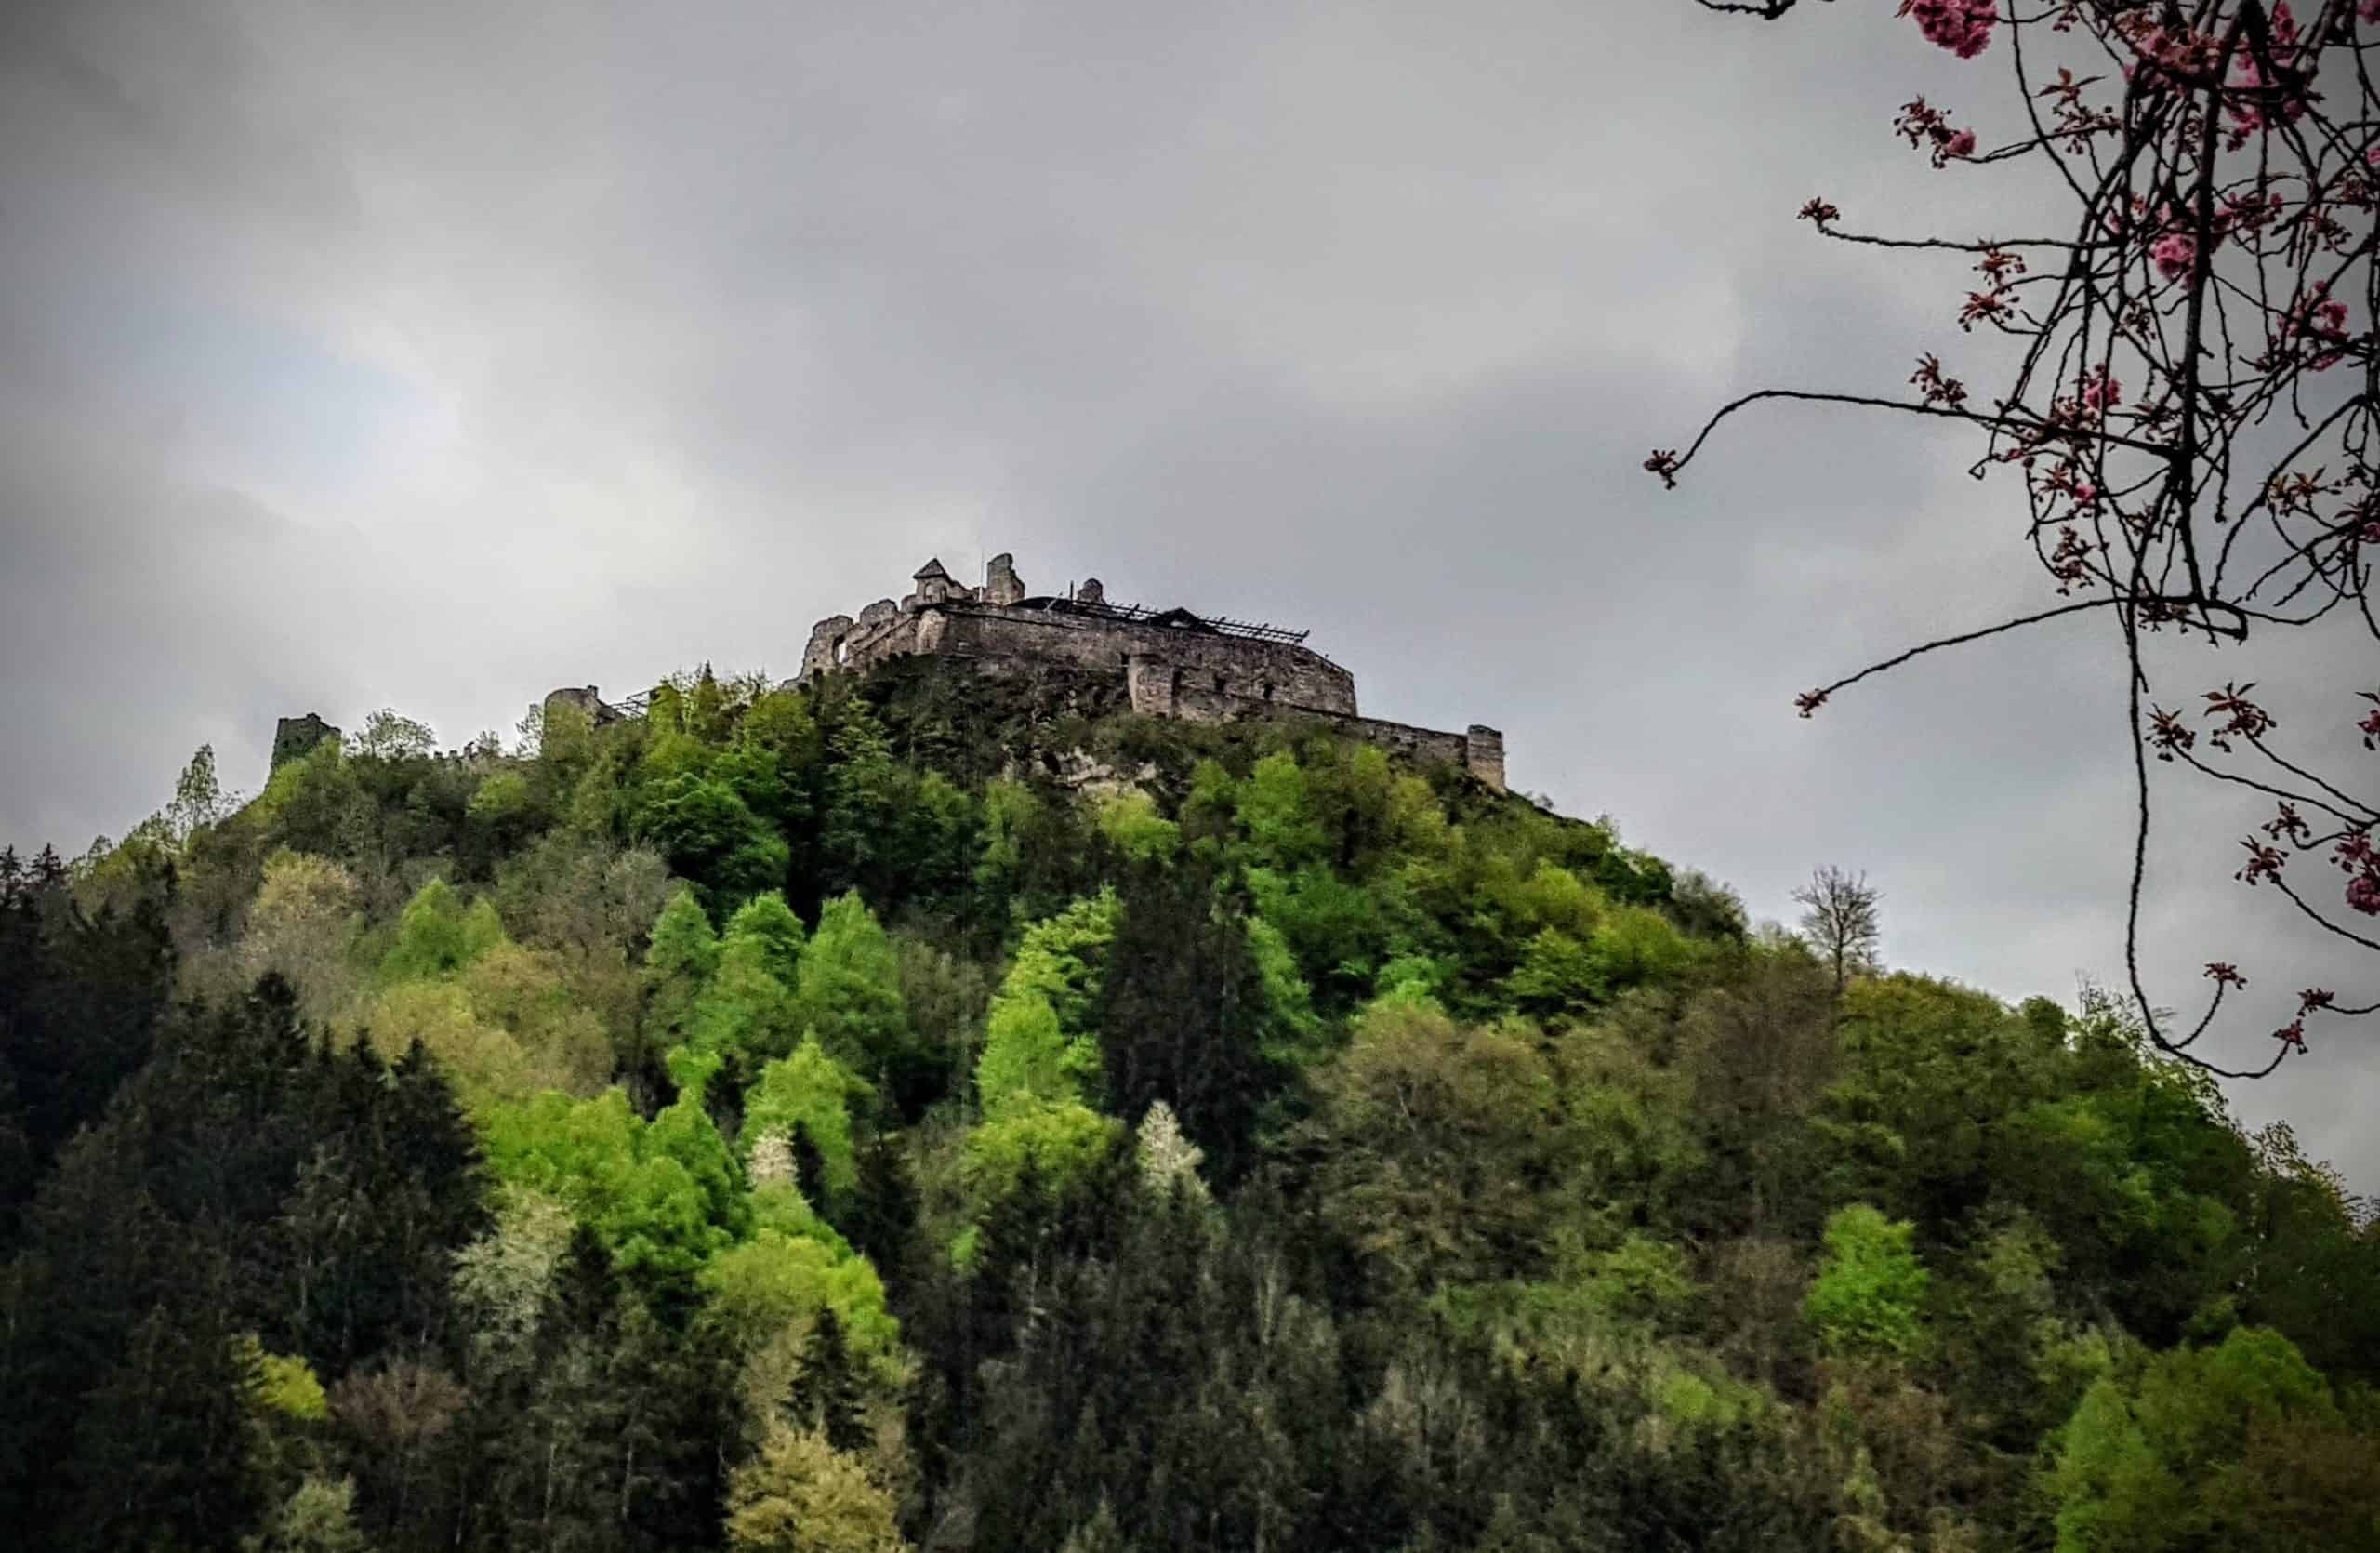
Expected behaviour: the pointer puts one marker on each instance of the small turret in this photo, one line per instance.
(934, 584)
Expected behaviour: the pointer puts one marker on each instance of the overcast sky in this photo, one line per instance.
(435, 354)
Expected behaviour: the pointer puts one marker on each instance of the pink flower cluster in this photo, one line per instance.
(1961, 26)
(2362, 865)
(2320, 320)
(2172, 254)
(1920, 124)
(2101, 392)
(2288, 86)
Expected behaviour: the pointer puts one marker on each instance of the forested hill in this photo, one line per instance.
(959, 1114)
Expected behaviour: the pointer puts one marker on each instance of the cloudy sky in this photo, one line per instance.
(432, 356)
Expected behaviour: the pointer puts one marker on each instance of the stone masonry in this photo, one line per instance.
(1174, 663)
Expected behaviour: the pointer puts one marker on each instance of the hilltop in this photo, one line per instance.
(914, 1105)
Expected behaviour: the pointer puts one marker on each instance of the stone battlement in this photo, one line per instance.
(1174, 663)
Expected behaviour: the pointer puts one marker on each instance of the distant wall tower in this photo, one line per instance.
(295, 738)
(1483, 754)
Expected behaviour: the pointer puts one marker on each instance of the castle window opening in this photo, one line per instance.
(1268, 690)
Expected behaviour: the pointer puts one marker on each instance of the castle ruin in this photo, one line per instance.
(1174, 663)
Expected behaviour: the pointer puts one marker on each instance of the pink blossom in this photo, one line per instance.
(2173, 254)
(2363, 894)
(2369, 10)
(1961, 26)
(1960, 144)
(2101, 392)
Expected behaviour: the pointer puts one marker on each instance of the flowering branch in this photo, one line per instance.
(2193, 411)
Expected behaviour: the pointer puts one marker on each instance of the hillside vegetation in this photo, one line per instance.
(948, 1113)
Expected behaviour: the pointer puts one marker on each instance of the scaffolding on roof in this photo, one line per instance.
(1183, 619)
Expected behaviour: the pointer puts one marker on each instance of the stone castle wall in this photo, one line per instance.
(1160, 662)
(1174, 665)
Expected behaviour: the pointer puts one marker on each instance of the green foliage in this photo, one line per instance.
(2240, 1445)
(1295, 1029)
(684, 951)
(1047, 1147)
(709, 835)
(1433, 1139)
(663, 1196)
(850, 993)
(1060, 957)
(745, 1016)
(756, 1290)
(387, 735)
(440, 933)
(810, 1091)
(501, 800)
(1298, 1150)
(1010, 810)
(1275, 810)
(1131, 821)
(769, 926)
(802, 1495)
(318, 1516)
(1870, 1293)
(287, 1386)
(1335, 930)
(1038, 1044)
(1027, 1056)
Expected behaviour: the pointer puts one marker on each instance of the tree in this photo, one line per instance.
(199, 800)
(802, 1495)
(1184, 1017)
(1839, 921)
(710, 836)
(826, 1391)
(389, 736)
(850, 994)
(2196, 465)
(804, 1100)
(302, 924)
(2240, 1445)
(1870, 1293)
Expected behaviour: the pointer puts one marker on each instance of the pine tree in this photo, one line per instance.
(884, 1210)
(826, 1394)
(809, 1171)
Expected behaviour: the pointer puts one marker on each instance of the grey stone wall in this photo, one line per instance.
(1480, 750)
(1152, 682)
(1483, 752)
(1168, 670)
(295, 738)
(1003, 587)
(1297, 678)
(584, 698)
